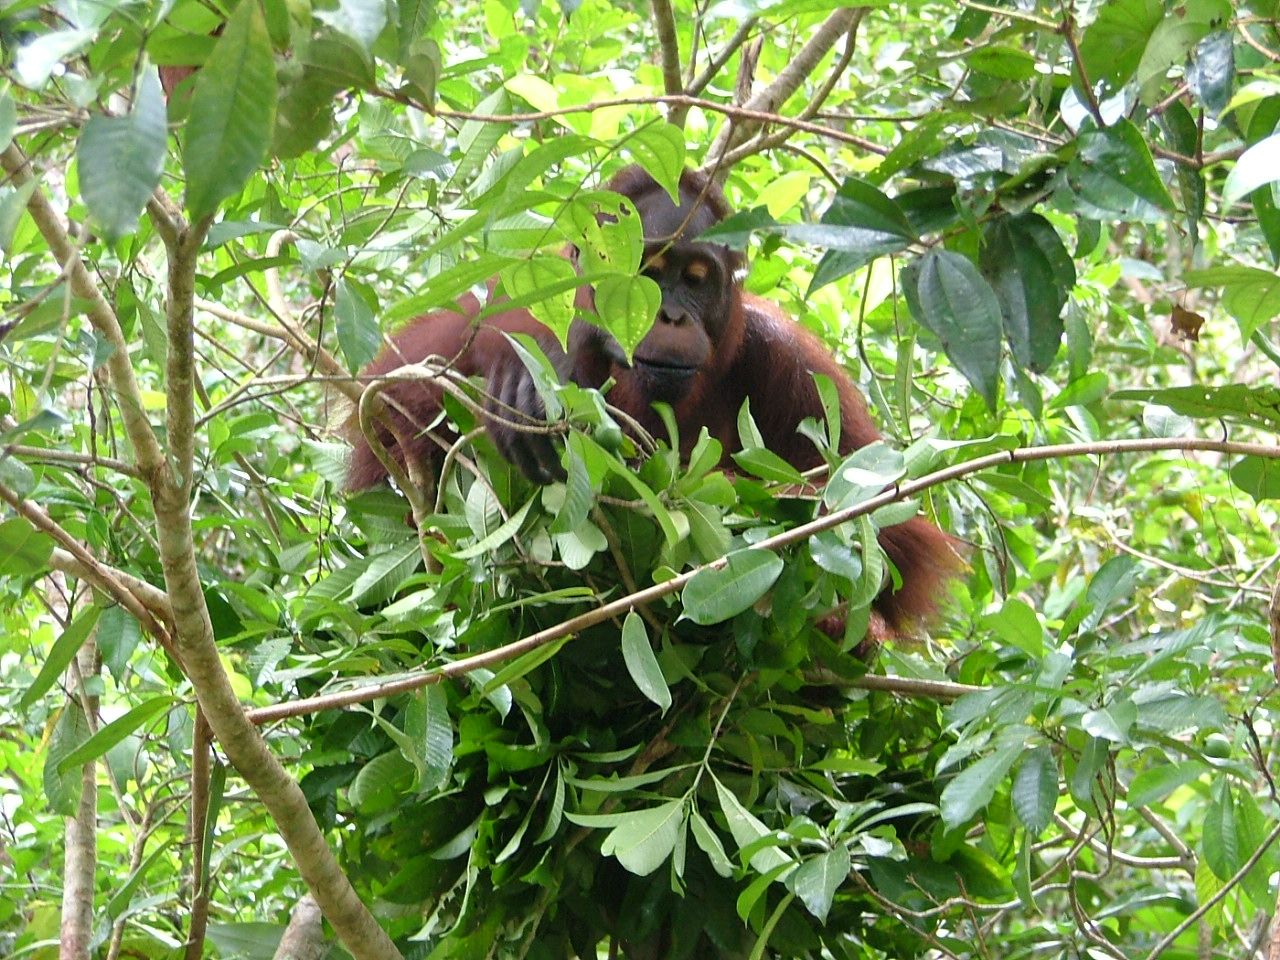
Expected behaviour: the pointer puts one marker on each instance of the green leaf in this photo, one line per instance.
(1035, 790)
(478, 137)
(1221, 844)
(817, 879)
(860, 225)
(1113, 170)
(60, 655)
(1213, 70)
(627, 307)
(646, 838)
(36, 61)
(121, 158)
(361, 20)
(714, 595)
(747, 830)
(642, 664)
(8, 119)
(1016, 623)
(1256, 405)
(436, 735)
(24, 550)
(381, 783)
(233, 110)
(526, 279)
(62, 788)
(359, 336)
(13, 204)
(1258, 477)
(1257, 166)
(767, 465)
(1250, 295)
(115, 731)
(1032, 275)
(710, 844)
(1160, 780)
(499, 536)
(949, 297)
(973, 787)
(1114, 43)
(659, 148)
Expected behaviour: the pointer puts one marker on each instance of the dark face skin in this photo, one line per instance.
(696, 281)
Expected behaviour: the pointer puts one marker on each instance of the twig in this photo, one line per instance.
(1068, 29)
(720, 59)
(77, 560)
(47, 455)
(1192, 918)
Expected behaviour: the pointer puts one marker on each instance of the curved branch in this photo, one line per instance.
(623, 605)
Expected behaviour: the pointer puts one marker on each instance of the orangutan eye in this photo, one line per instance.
(696, 272)
(653, 268)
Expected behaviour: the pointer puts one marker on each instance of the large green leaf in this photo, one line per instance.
(1114, 43)
(627, 307)
(61, 654)
(121, 159)
(973, 787)
(1113, 171)
(359, 337)
(950, 299)
(715, 595)
(641, 663)
(1257, 405)
(115, 731)
(24, 550)
(817, 879)
(644, 839)
(1032, 275)
(233, 111)
(1257, 166)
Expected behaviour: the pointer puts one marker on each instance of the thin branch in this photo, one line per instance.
(151, 459)
(625, 604)
(1068, 29)
(197, 832)
(1192, 918)
(738, 113)
(46, 455)
(789, 80)
(77, 560)
(300, 342)
(768, 141)
(720, 59)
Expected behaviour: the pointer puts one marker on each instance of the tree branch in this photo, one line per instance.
(804, 531)
(360, 933)
(669, 48)
(153, 612)
(789, 80)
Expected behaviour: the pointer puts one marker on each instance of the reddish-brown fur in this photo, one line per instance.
(763, 357)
